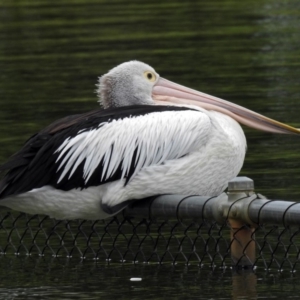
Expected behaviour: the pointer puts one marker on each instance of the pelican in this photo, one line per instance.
(152, 137)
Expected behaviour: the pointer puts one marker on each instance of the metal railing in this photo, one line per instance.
(239, 203)
(239, 228)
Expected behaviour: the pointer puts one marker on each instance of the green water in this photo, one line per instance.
(248, 52)
(61, 280)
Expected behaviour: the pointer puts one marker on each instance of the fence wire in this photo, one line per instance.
(130, 239)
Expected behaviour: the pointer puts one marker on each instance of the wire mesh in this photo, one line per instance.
(114, 240)
(130, 239)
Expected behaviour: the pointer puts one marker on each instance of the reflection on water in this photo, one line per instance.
(65, 279)
(52, 52)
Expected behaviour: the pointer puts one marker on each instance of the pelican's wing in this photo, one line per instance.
(103, 146)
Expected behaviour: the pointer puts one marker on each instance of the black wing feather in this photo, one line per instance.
(34, 165)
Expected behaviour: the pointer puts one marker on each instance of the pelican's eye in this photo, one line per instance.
(150, 76)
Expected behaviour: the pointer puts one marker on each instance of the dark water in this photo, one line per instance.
(57, 279)
(248, 52)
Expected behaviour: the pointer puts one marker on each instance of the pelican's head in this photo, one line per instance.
(137, 83)
(127, 84)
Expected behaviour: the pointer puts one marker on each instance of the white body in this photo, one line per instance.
(203, 151)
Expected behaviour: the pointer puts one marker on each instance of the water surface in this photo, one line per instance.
(51, 53)
(53, 279)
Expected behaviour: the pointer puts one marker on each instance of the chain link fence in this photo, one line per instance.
(118, 239)
(125, 239)
(239, 229)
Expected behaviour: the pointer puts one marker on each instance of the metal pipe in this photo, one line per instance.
(242, 246)
(274, 212)
(178, 206)
(240, 203)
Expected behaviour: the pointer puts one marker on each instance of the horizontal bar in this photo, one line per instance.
(275, 212)
(203, 207)
(175, 206)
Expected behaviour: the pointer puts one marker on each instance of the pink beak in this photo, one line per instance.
(166, 92)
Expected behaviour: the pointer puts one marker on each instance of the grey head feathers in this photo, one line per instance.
(130, 83)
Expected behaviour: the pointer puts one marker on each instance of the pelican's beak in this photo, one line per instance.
(166, 92)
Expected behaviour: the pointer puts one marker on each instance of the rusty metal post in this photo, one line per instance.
(240, 189)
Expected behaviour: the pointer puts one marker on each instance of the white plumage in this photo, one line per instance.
(115, 142)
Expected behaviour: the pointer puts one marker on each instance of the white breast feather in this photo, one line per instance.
(158, 137)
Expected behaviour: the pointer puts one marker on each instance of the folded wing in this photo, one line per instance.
(103, 146)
